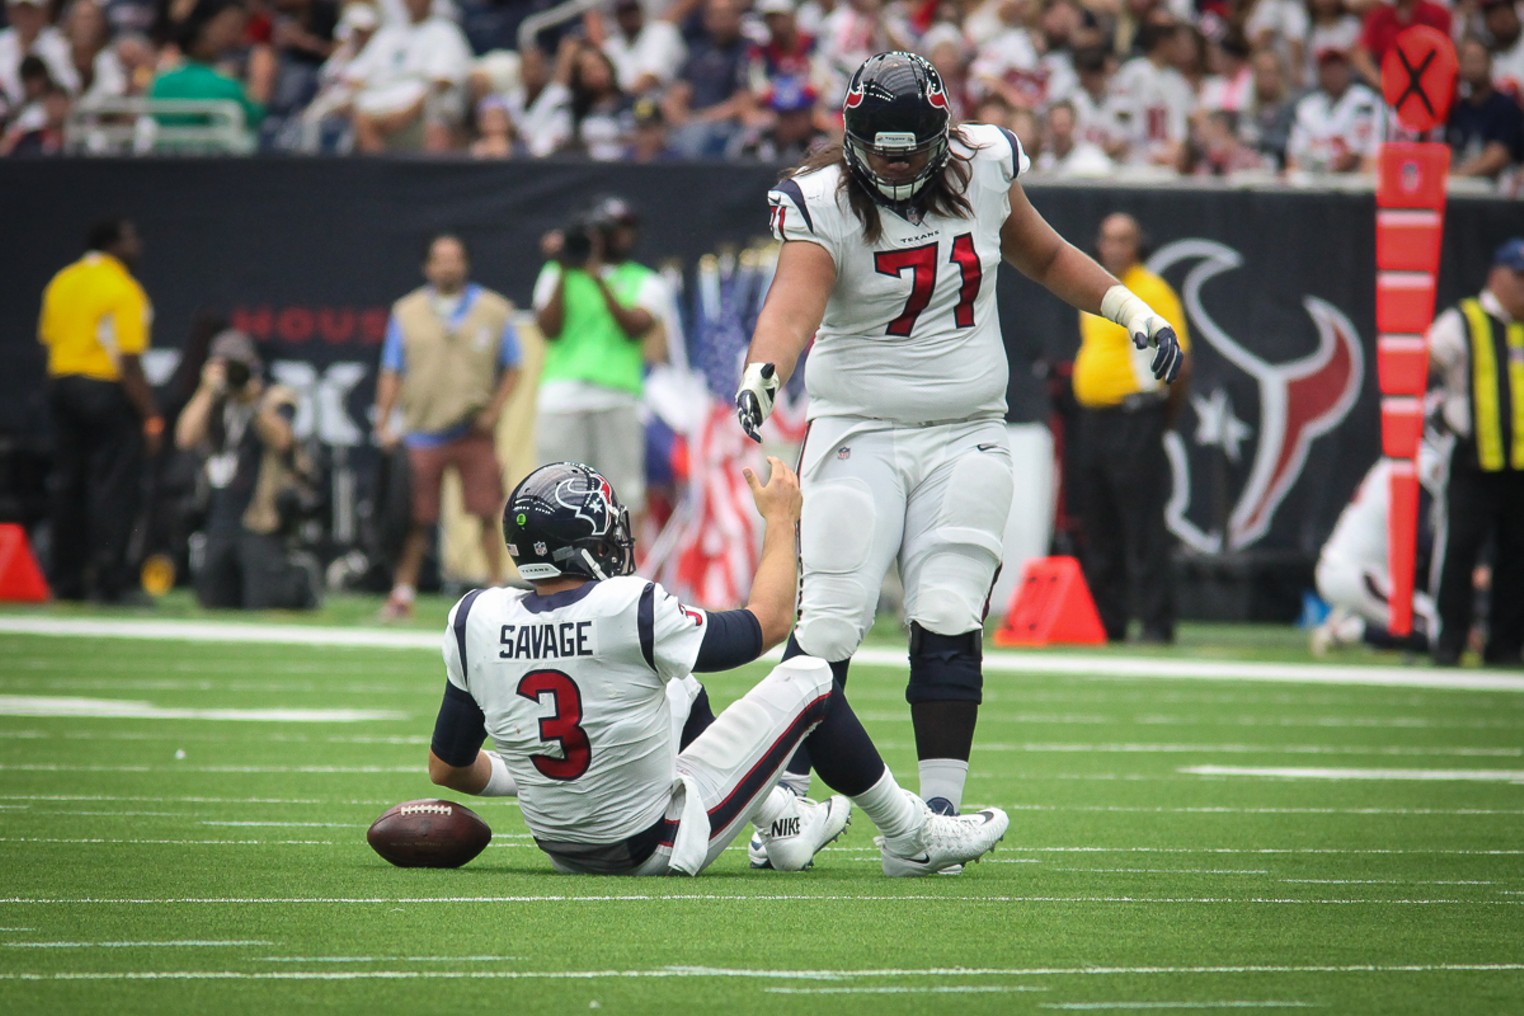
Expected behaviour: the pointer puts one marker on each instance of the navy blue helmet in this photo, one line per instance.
(564, 519)
(896, 108)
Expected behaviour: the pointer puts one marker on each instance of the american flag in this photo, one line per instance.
(717, 549)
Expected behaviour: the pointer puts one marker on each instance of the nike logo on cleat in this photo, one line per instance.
(785, 827)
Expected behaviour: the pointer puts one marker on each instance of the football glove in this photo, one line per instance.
(754, 399)
(1148, 330)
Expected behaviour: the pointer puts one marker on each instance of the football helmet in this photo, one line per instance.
(564, 519)
(895, 108)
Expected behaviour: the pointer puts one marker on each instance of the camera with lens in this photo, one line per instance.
(577, 241)
(237, 374)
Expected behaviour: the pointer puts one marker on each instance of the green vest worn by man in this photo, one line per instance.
(592, 348)
(451, 372)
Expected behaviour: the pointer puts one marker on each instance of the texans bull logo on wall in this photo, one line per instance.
(1248, 468)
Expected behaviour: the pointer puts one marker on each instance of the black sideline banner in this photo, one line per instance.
(307, 255)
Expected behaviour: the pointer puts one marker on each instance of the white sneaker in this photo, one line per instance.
(944, 841)
(791, 842)
(756, 850)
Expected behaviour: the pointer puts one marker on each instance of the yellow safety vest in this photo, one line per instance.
(1488, 390)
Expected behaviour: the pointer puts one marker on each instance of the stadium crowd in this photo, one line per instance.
(1204, 88)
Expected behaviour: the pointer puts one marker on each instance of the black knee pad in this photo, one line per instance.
(945, 668)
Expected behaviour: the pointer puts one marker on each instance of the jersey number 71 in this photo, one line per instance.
(923, 263)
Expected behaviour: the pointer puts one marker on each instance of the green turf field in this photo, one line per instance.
(182, 830)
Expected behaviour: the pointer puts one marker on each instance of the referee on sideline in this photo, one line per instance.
(95, 322)
(1123, 479)
(1476, 360)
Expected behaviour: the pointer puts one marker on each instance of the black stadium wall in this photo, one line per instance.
(307, 255)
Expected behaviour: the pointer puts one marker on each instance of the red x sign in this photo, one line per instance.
(1418, 77)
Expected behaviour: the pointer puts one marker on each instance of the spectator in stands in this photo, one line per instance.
(240, 429)
(450, 360)
(646, 51)
(1331, 26)
(410, 84)
(1027, 127)
(1383, 23)
(788, 52)
(138, 58)
(1123, 476)
(1267, 125)
(944, 45)
(597, 307)
(96, 64)
(1099, 110)
(538, 100)
(38, 127)
(1471, 361)
(1215, 148)
(1338, 127)
(792, 133)
(95, 323)
(1282, 27)
(302, 34)
(1231, 84)
(711, 98)
(1486, 127)
(1501, 19)
(598, 121)
(325, 124)
(1064, 152)
(1156, 101)
(30, 34)
(1008, 63)
(494, 127)
(648, 142)
(853, 31)
(208, 36)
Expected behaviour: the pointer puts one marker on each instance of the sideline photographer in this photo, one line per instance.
(254, 475)
(597, 307)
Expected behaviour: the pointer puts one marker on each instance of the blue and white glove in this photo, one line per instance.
(1147, 329)
(754, 399)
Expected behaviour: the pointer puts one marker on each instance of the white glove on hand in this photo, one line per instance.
(1147, 329)
(754, 399)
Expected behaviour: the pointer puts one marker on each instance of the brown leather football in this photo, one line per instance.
(429, 834)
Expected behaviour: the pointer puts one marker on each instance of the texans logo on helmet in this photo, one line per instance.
(854, 96)
(594, 504)
(935, 95)
(1300, 400)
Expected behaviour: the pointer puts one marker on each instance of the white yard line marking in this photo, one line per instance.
(123, 709)
(180, 799)
(174, 843)
(284, 825)
(767, 898)
(1233, 1004)
(940, 989)
(1087, 665)
(1381, 881)
(185, 944)
(1315, 773)
(1223, 810)
(1237, 749)
(50, 767)
(784, 975)
(1171, 871)
(386, 959)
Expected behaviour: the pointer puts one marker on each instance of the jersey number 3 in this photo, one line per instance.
(922, 262)
(561, 727)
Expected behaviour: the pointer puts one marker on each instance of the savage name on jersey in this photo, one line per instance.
(572, 688)
(910, 333)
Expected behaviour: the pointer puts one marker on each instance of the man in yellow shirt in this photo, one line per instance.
(95, 323)
(1123, 476)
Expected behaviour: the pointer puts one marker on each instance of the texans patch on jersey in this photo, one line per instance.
(695, 616)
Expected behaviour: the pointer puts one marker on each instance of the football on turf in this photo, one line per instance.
(429, 834)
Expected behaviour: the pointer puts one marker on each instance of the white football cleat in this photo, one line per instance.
(943, 841)
(792, 840)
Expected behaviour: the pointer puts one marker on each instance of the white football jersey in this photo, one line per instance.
(573, 688)
(1360, 535)
(1326, 128)
(1156, 105)
(910, 333)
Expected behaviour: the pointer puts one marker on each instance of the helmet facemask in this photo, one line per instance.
(896, 109)
(895, 145)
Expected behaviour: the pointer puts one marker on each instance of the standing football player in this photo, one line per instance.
(571, 681)
(891, 242)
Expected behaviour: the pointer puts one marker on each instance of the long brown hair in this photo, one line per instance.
(942, 195)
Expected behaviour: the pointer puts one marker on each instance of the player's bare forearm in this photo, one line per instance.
(470, 779)
(795, 303)
(1035, 249)
(191, 427)
(772, 590)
